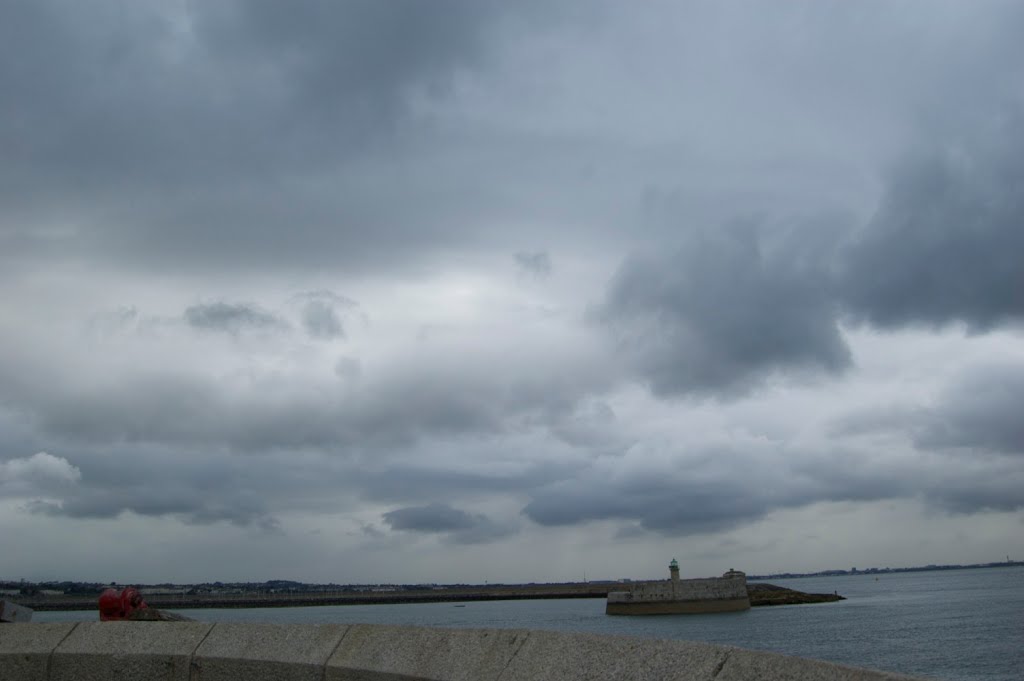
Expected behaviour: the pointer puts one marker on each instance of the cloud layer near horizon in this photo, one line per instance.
(477, 284)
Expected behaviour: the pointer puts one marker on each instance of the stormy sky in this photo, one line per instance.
(466, 290)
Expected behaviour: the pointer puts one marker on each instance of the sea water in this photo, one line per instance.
(958, 625)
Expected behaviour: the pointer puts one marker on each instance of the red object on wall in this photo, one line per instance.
(115, 606)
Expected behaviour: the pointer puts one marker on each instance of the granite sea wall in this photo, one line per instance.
(197, 651)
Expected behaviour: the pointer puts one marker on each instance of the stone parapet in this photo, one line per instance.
(195, 651)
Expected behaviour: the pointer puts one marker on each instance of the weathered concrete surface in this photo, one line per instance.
(25, 649)
(743, 665)
(195, 651)
(381, 653)
(14, 613)
(271, 652)
(552, 655)
(106, 651)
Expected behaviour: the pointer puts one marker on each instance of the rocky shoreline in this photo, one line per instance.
(769, 594)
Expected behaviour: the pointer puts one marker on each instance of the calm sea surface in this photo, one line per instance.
(957, 625)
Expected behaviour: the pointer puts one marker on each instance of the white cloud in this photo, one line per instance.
(39, 472)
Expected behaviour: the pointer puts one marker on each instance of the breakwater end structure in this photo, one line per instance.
(199, 651)
(675, 596)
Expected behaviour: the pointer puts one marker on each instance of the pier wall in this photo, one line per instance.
(712, 588)
(714, 594)
(197, 651)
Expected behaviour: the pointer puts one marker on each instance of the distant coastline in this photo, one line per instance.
(66, 595)
(887, 570)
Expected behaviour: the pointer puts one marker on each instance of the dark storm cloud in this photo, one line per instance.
(736, 304)
(211, 134)
(715, 491)
(160, 89)
(724, 491)
(461, 527)
(231, 317)
(722, 312)
(946, 241)
(431, 518)
(352, 58)
(667, 505)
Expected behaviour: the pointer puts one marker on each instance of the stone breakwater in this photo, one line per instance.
(769, 594)
(727, 593)
(197, 651)
(758, 594)
(309, 599)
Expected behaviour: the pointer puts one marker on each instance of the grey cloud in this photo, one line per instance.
(537, 263)
(155, 501)
(702, 496)
(173, 135)
(669, 506)
(460, 526)
(355, 58)
(382, 147)
(39, 474)
(723, 312)
(976, 413)
(196, 488)
(973, 493)
(311, 77)
(981, 411)
(322, 313)
(890, 418)
(425, 397)
(945, 243)
(736, 304)
(349, 368)
(231, 317)
(431, 518)
(421, 483)
(321, 321)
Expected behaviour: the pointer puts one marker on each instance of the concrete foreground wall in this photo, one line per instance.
(196, 651)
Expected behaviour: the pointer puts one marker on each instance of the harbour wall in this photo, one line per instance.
(198, 651)
(713, 594)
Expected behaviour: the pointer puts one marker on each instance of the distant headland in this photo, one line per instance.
(70, 595)
(888, 570)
